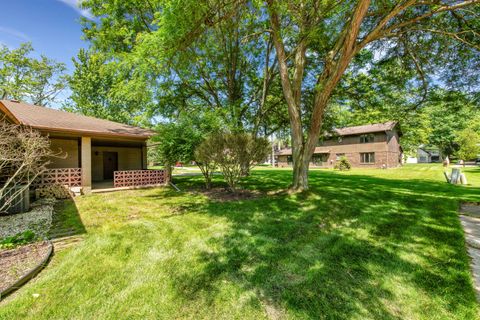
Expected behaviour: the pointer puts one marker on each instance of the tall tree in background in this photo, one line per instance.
(34, 80)
(103, 88)
(468, 141)
(229, 68)
(450, 112)
(315, 43)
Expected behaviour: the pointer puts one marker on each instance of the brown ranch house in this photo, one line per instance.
(374, 145)
(96, 153)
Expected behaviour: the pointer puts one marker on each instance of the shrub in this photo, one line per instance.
(231, 152)
(24, 154)
(18, 240)
(205, 161)
(176, 141)
(343, 164)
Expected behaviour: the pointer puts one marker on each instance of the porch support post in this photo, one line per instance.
(86, 164)
(144, 157)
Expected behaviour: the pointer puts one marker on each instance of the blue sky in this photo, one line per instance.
(52, 26)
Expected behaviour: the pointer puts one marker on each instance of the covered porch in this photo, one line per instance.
(88, 152)
(98, 164)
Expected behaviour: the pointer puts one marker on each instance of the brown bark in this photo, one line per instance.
(168, 173)
(303, 148)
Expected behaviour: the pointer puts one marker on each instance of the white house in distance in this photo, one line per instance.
(425, 155)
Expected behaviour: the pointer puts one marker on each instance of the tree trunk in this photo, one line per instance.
(245, 169)
(300, 173)
(168, 174)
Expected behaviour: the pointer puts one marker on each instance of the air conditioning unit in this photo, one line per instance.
(21, 202)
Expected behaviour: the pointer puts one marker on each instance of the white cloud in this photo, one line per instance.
(14, 34)
(75, 4)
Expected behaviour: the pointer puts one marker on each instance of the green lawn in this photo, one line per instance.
(367, 244)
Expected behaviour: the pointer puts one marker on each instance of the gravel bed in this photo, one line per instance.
(38, 220)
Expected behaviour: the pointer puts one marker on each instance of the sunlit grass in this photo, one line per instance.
(365, 244)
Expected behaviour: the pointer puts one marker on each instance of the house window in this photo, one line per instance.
(340, 156)
(319, 159)
(289, 160)
(367, 157)
(367, 138)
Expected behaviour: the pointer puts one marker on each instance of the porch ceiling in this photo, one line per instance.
(117, 143)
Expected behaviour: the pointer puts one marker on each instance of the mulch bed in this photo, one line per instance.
(223, 195)
(16, 263)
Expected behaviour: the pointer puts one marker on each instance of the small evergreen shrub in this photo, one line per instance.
(343, 164)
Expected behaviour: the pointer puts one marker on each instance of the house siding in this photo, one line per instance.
(128, 159)
(385, 145)
(66, 153)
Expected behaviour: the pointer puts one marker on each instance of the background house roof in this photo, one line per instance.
(48, 119)
(369, 128)
(288, 151)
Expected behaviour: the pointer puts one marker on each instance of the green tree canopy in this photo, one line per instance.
(25, 78)
(177, 140)
(468, 141)
(103, 88)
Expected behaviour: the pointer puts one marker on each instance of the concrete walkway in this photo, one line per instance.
(470, 219)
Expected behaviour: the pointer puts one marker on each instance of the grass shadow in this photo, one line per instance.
(66, 220)
(342, 249)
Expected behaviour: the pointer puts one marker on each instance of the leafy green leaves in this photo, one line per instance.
(35, 80)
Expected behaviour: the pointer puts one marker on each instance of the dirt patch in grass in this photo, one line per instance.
(224, 195)
(16, 263)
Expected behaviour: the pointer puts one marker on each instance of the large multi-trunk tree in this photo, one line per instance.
(332, 33)
(315, 43)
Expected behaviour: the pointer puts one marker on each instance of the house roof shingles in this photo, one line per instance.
(47, 119)
(369, 128)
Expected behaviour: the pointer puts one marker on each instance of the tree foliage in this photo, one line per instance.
(228, 69)
(468, 141)
(205, 160)
(176, 141)
(106, 89)
(25, 78)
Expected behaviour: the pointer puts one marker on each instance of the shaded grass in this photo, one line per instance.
(66, 220)
(367, 244)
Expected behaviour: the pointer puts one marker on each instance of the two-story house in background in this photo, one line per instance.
(374, 145)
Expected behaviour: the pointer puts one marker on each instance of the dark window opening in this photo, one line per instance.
(367, 138)
(320, 159)
(368, 157)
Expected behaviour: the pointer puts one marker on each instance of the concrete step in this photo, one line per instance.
(470, 220)
(471, 227)
(470, 209)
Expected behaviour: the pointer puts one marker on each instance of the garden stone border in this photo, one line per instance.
(30, 274)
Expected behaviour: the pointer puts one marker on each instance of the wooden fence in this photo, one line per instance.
(137, 178)
(71, 177)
